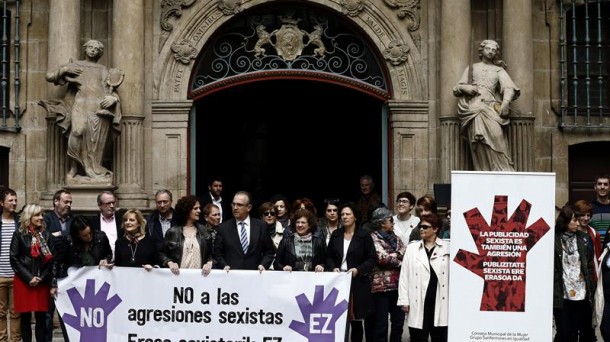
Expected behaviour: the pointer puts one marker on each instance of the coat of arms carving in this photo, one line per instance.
(289, 40)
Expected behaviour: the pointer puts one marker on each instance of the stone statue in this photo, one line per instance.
(89, 113)
(485, 92)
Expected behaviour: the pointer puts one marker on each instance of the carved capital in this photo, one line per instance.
(352, 7)
(171, 8)
(184, 52)
(396, 53)
(229, 7)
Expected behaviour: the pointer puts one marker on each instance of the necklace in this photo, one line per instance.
(133, 252)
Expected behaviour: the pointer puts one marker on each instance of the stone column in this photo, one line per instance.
(518, 54)
(64, 42)
(128, 55)
(456, 47)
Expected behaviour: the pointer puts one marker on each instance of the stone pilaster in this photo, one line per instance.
(410, 167)
(518, 54)
(455, 155)
(456, 45)
(521, 142)
(170, 123)
(64, 38)
(128, 55)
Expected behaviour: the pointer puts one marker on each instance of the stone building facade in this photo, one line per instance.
(378, 102)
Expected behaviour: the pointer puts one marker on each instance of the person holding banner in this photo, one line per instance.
(423, 286)
(87, 247)
(243, 242)
(32, 260)
(390, 250)
(573, 279)
(135, 248)
(187, 244)
(351, 249)
(302, 250)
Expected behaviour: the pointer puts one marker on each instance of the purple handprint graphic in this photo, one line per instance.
(320, 316)
(92, 311)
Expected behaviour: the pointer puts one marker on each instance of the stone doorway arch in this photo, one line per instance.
(401, 98)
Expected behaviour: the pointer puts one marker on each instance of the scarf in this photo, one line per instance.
(304, 238)
(133, 238)
(39, 245)
(389, 238)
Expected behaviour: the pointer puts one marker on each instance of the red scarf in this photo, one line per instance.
(39, 245)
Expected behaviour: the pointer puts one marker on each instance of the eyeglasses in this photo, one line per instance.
(403, 201)
(332, 210)
(424, 226)
(269, 213)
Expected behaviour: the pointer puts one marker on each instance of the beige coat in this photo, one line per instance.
(599, 292)
(414, 279)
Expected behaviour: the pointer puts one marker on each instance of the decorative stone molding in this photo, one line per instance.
(184, 52)
(352, 8)
(397, 52)
(229, 7)
(171, 8)
(408, 9)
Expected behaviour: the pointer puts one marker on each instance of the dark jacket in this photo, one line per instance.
(154, 229)
(586, 268)
(227, 212)
(360, 255)
(99, 250)
(229, 251)
(94, 222)
(61, 241)
(286, 254)
(173, 245)
(25, 266)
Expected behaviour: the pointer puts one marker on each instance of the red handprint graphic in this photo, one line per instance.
(502, 247)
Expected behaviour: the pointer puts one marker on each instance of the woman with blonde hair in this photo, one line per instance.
(135, 248)
(32, 260)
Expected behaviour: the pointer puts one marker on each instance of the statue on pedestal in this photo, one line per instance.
(89, 114)
(485, 92)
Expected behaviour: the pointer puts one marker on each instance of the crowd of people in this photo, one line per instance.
(399, 262)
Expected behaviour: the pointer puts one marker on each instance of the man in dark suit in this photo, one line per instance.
(58, 223)
(214, 195)
(243, 242)
(162, 218)
(109, 220)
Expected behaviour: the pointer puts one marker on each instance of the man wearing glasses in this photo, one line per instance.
(243, 242)
(162, 218)
(109, 219)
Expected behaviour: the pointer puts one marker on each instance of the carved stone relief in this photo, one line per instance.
(170, 8)
(289, 40)
(229, 7)
(184, 52)
(408, 9)
(352, 7)
(396, 53)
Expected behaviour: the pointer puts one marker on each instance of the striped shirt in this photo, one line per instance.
(6, 234)
(600, 218)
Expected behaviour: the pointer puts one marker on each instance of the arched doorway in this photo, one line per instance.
(289, 99)
(299, 138)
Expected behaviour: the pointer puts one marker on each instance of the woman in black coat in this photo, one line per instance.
(88, 247)
(358, 258)
(303, 249)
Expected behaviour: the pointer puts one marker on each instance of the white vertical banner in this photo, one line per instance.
(502, 238)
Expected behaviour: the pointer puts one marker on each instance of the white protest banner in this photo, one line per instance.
(502, 238)
(133, 305)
